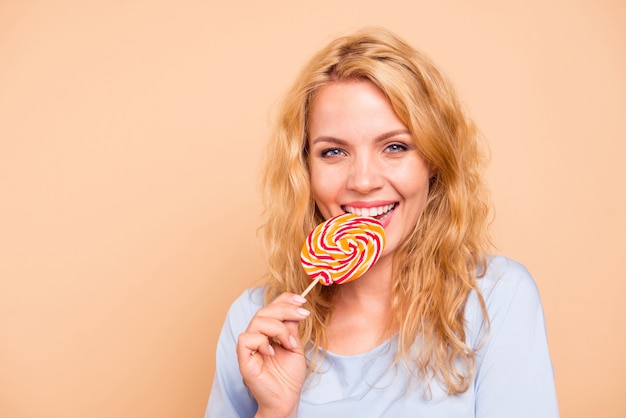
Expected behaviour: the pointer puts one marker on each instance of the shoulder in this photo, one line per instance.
(250, 300)
(514, 374)
(229, 397)
(243, 309)
(237, 319)
(506, 279)
(510, 295)
(241, 312)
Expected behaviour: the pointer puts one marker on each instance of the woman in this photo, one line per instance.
(437, 328)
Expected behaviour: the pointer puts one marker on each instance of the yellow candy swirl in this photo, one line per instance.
(342, 248)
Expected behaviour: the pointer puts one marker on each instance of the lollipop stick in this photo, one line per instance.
(311, 286)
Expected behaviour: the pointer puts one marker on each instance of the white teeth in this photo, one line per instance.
(369, 211)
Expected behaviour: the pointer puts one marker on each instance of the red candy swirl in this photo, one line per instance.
(342, 248)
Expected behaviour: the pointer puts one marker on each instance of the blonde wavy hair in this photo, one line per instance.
(437, 266)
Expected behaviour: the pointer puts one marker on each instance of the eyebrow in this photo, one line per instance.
(378, 138)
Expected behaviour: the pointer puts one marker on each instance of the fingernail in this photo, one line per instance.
(294, 343)
(271, 350)
(303, 312)
(298, 299)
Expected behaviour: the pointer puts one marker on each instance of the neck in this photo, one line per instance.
(362, 310)
(372, 287)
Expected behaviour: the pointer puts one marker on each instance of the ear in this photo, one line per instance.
(432, 173)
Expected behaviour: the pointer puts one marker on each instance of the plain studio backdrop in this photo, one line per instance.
(130, 140)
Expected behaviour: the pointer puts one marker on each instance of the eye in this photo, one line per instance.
(396, 147)
(331, 152)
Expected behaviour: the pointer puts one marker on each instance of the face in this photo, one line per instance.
(363, 160)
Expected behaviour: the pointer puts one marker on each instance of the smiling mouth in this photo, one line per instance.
(378, 212)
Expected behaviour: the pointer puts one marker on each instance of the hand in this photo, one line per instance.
(271, 357)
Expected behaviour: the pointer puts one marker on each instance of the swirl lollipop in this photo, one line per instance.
(341, 249)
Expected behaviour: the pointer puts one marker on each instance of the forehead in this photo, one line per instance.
(353, 105)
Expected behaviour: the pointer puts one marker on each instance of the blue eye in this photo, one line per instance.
(331, 152)
(397, 147)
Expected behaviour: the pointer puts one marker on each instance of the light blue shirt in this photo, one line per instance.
(514, 376)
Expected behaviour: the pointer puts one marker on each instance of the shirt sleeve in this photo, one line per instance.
(229, 397)
(515, 378)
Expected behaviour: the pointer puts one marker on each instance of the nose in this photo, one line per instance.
(365, 175)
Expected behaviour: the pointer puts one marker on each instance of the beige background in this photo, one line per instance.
(130, 136)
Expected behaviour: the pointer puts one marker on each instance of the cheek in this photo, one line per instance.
(414, 185)
(322, 190)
